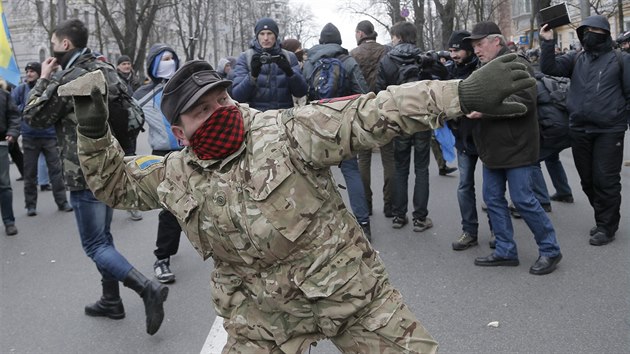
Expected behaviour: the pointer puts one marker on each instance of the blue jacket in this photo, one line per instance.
(272, 89)
(20, 97)
(599, 97)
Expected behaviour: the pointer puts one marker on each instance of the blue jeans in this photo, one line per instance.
(42, 170)
(421, 143)
(93, 220)
(6, 193)
(356, 192)
(466, 192)
(518, 181)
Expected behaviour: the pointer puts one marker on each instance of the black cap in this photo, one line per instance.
(330, 34)
(122, 59)
(266, 23)
(35, 66)
(189, 83)
(457, 41)
(483, 30)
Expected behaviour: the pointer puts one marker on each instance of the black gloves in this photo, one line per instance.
(283, 63)
(91, 112)
(256, 65)
(487, 87)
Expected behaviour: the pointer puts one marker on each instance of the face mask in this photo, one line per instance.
(592, 40)
(220, 135)
(166, 69)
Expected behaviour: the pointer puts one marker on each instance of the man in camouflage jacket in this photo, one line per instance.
(45, 108)
(292, 265)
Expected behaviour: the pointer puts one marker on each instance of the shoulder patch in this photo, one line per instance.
(145, 162)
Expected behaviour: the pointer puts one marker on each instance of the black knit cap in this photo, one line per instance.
(186, 87)
(266, 23)
(457, 41)
(122, 59)
(35, 66)
(330, 34)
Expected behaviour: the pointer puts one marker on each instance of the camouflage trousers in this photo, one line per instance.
(402, 333)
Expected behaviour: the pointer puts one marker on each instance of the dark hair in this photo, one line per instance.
(404, 30)
(74, 30)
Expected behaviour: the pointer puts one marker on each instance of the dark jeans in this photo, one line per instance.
(556, 173)
(466, 192)
(94, 219)
(17, 156)
(6, 193)
(169, 232)
(365, 166)
(32, 150)
(421, 144)
(598, 158)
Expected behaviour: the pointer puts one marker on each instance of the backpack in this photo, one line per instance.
(328, 79)
(408, 72)
(553, 115)
(424, 67)
(558, 88)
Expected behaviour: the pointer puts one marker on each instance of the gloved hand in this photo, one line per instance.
(91, 112)
(256, 65)
(284, 64)
(486, 88)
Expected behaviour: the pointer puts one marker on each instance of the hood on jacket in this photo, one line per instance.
(597, 21)
(404, 53)
(329, 50)
(155, 55)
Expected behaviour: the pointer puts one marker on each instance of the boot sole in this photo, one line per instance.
(118, 316)
(464, 247)
(158, 314)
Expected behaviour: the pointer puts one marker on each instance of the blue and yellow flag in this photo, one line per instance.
(8, 66)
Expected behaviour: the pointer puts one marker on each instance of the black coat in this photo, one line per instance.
(599, 96)
(462, 127)
(509, 142)
(9, 116)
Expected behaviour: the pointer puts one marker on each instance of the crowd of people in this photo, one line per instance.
(241, 152)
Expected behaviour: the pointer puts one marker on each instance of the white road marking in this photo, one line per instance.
(217, 338)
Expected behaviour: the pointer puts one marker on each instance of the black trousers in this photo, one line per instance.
(169, 231)
(16, 155)
(598, 158)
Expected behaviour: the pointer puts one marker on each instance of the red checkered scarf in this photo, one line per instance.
(220, 135)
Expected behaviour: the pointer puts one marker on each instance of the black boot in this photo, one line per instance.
(153, 294)
(110, 305)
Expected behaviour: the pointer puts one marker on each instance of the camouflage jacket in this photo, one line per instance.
(270, 214)
(46, 108)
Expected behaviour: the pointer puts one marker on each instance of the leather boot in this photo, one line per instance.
(110, 305)
(153, 295)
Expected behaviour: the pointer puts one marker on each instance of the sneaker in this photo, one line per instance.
(567, 198)
(420, 225)
(45, 188)
(366, 230)
(447, 170)
(514, 212)
(162, 270)
(65, 207)
(465, 241)
(11, 230)
(31, 211)
(600, 238)
(135, 215)
(493, 241)
(399, 221)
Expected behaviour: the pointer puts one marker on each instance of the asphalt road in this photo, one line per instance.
(583, 307)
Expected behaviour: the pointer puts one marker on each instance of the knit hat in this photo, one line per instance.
(122, 59)
(457, 41)
(221, 66)
(367, 27)
(266, 23)
(330, 34)
(35, 66)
